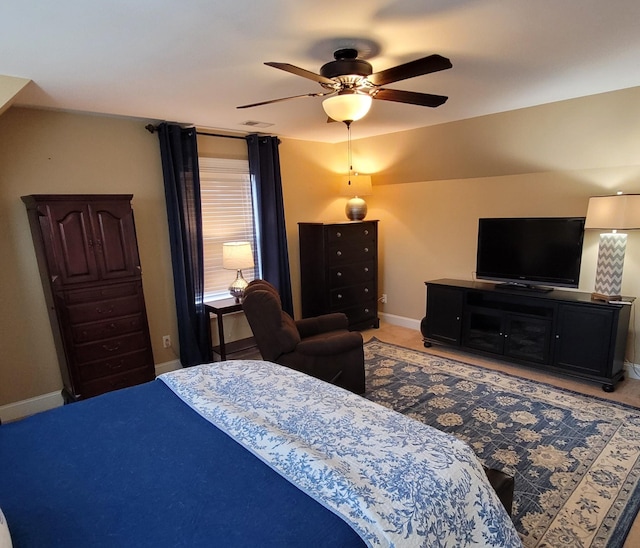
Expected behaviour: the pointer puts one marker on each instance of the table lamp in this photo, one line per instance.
(236, 256)
(618, 212)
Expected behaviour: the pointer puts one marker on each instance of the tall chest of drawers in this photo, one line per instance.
(339, 270)
(88, 260)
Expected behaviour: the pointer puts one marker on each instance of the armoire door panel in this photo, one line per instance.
(114, 233)
(73, 244)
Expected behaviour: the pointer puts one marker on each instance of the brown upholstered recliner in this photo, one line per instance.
(322, 346)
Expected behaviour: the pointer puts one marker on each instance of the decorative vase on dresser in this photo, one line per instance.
(88, 259)
(339, 271)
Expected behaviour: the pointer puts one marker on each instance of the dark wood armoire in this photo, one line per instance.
(88, 259)
(339, 271)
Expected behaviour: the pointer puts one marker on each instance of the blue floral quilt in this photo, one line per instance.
(396, 481)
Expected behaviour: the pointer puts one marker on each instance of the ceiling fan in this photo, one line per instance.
(347, 75)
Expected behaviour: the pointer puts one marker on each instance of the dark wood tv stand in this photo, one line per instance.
(558, 331)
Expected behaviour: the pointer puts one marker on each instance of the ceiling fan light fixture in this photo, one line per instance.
(347, 107)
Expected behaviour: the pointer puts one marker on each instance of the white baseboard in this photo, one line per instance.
(31, 406)
(400, 320)
(631, 370)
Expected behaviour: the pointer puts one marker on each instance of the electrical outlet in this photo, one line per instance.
(383, 299)
(166, 341)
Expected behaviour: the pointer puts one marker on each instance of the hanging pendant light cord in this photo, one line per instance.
(348, 123)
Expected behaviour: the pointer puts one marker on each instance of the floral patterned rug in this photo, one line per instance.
(575, 458)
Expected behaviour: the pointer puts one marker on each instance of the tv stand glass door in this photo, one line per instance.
(510, 334)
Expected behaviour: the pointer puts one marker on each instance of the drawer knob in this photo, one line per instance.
(366, 310)
(339, 296)
(366, 232)
(111, 347)
(115, 365)
(339, 253)
(338, 234)
(366, 250)
(339, 274)
(366, 290)
(366, 269)
(104, 310)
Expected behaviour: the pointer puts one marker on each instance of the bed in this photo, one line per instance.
(241, 453)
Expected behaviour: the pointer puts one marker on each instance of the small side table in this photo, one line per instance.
(220, 308)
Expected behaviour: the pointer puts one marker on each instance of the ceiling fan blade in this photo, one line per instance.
(302, 72)
(285, 99)
(411, 97)
(426, 65)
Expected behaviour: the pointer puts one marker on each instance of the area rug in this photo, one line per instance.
(575, 458)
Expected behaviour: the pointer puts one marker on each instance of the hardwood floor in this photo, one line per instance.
(627, 391)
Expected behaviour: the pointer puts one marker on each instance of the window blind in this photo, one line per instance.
(227, 216)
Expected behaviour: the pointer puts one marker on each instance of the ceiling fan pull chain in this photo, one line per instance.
(349, 150)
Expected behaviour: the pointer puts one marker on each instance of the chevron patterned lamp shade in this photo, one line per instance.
(619, 212)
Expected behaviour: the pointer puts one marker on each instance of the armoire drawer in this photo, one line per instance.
(102, 293)
(351, 232)
(115, 382)
(114, 365)
(346, 296)
(93, 331)
(360, 313)
(110, 347)
(351, 253)
(103, 310)
(350, 274)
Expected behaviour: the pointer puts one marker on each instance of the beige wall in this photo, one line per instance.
(430, 187)
(310, 188)
(600, 131)
(430, 231)
(541, 161)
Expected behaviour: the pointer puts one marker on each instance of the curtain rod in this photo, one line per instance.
(152, 129)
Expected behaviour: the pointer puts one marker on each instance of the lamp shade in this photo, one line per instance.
(356, 185)
(237, 255)
(347, 106)
(619, 212)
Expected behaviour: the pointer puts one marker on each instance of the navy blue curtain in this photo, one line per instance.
(264, 164)
(179, 153)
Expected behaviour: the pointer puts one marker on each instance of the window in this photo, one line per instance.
(227, 216)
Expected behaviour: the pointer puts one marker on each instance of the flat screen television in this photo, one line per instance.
(531, 253)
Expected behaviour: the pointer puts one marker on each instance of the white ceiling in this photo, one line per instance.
(194, 61)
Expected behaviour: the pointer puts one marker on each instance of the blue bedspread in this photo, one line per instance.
(138, 467)
(398, 482)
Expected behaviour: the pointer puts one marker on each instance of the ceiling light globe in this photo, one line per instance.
(347, 107)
